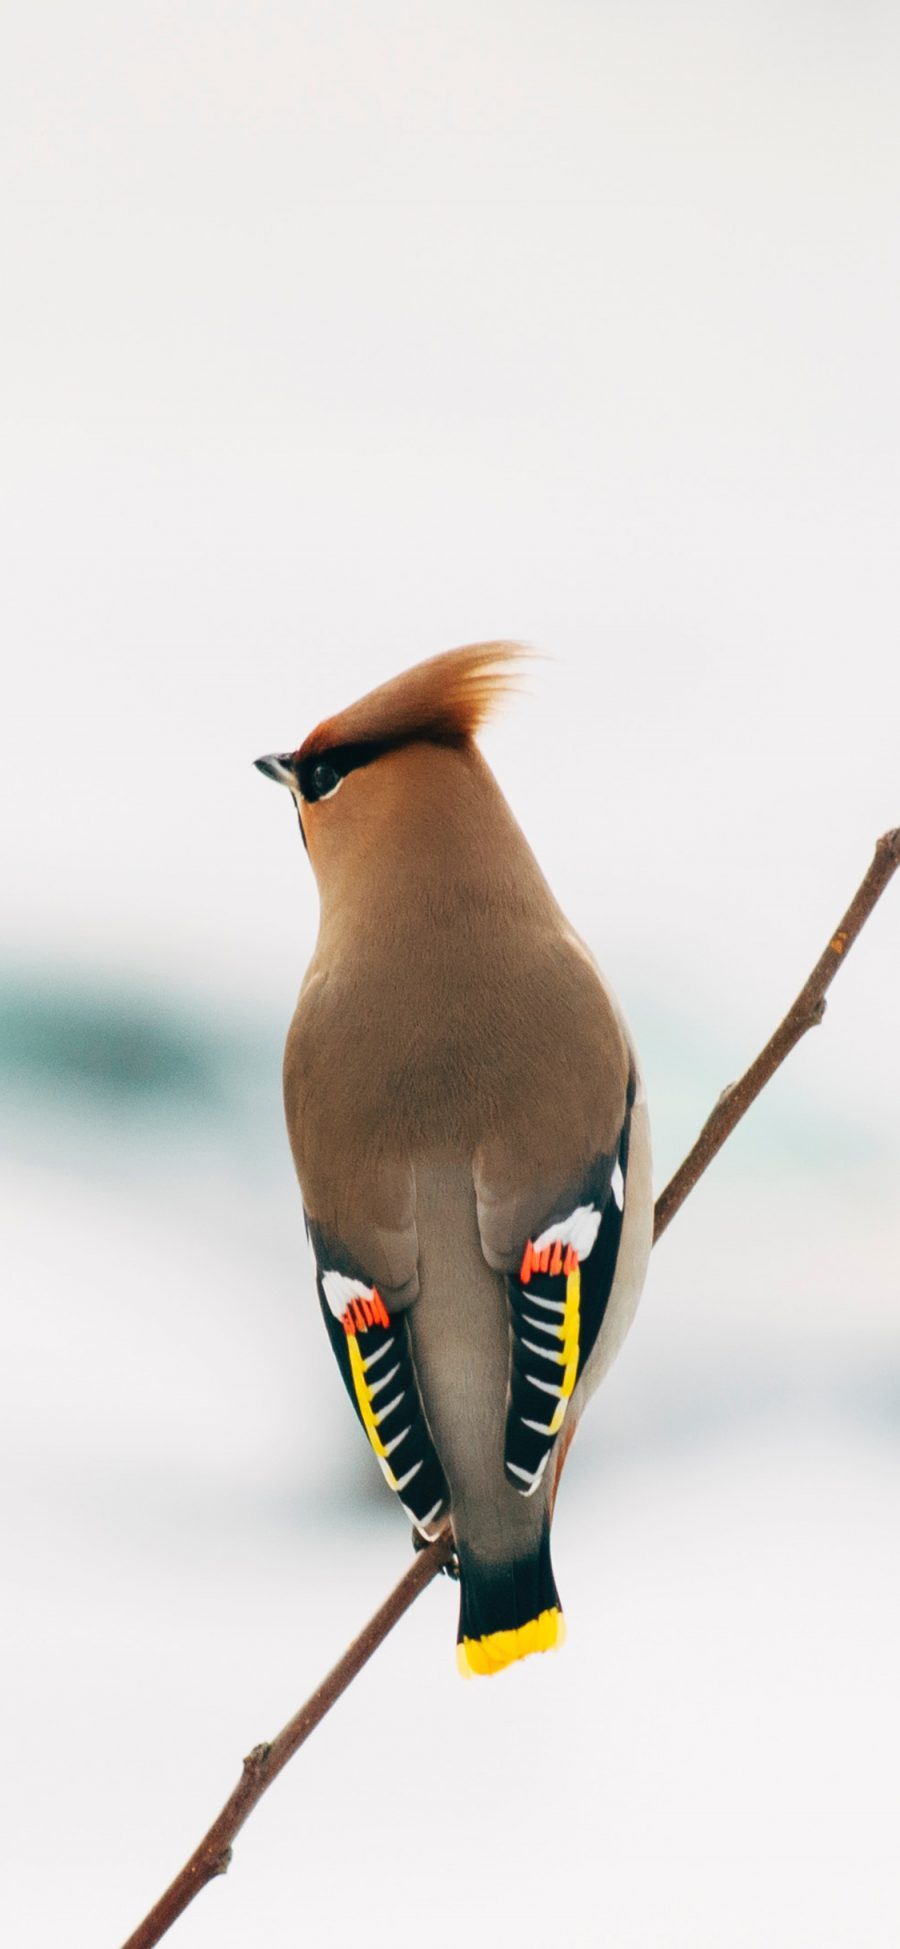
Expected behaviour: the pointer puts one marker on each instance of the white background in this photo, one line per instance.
(335, 336)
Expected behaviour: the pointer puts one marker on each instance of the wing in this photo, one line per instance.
(372, 1350)
(557, 1302)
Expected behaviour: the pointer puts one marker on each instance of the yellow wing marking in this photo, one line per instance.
(367, 1412)
(571, 1329)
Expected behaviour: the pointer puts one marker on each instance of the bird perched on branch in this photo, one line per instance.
(469, 1131)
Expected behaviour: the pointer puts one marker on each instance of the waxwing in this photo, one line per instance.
(469, 1131)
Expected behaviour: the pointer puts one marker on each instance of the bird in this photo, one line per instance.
(469, 1129)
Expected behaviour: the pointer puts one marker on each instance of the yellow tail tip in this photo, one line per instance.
(482, 1657)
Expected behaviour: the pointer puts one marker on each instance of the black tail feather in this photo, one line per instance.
(507, 1609)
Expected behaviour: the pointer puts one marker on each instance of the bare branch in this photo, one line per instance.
(262, 1766)
(806, 1013)
(213, 1855)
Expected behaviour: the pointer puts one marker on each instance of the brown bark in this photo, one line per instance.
(806, 1013)
(261, 1767)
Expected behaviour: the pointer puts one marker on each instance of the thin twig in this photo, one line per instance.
(261, 1767)
(806, 1013)
(213, 1855)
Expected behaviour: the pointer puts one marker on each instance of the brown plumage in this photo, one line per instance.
(457, 1079)
(446, 698)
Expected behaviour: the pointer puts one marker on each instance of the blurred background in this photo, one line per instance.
(336, 336)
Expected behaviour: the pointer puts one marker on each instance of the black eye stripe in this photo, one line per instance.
(322, 771)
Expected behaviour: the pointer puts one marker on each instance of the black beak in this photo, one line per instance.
(279, 766)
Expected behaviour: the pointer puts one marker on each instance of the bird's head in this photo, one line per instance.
(384, 761)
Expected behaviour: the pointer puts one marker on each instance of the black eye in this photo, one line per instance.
(324, 780)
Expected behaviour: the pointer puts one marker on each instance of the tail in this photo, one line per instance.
(459, 1328)
(507, 1609)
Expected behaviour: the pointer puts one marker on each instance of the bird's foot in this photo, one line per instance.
(450, 1568)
